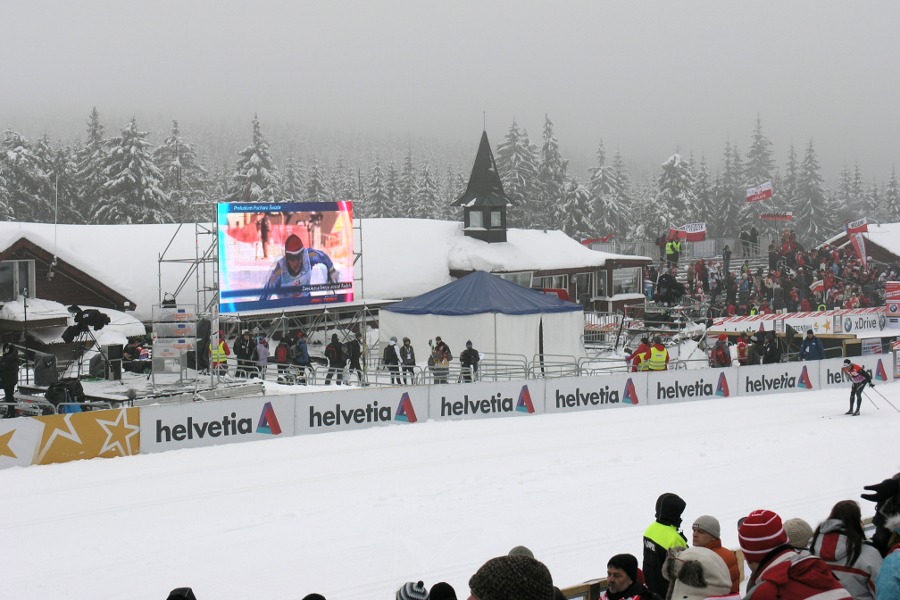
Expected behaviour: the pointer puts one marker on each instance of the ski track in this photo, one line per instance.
(355, 514)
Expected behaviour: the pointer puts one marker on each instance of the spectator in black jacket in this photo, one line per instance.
(355, 350)
(771, 352)
(468, 360)
(335, 355)
(245, 352)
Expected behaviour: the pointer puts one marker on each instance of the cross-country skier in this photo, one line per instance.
(859, 378)
(292, 274)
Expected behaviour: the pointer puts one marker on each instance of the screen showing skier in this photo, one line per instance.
(278, 255)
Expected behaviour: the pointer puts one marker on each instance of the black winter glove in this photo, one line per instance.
(884, 491)
(871, 384)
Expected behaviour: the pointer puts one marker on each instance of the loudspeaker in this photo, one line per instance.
(45, 371)
(114, 352)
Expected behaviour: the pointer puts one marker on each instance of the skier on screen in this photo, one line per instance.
(292, 273)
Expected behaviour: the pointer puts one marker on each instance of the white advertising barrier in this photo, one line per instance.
(691, 384)
(569, 394)
(486, 399)
(360, 408)
(831, 375)
(216, 422)
(777, 378)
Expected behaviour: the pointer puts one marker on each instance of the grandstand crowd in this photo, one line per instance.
(795, 279)
(787, 559)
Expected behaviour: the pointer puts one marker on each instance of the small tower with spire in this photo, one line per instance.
(484, 202)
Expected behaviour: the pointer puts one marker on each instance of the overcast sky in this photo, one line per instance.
(648, 77)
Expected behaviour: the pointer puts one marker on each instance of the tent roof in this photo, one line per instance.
(481, 292)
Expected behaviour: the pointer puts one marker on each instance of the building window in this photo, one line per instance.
(523, 278)
(16, 279)
(476, 219)
(496, 219)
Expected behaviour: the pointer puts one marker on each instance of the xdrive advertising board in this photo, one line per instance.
(216, 422)
(276, 255)
(486, 399)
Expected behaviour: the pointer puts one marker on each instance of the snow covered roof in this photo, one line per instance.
(885, 235)
(121, 325)
(401, 258)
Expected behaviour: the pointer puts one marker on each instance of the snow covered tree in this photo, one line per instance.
(184, 178)
(620, 201)
(791, 181)
(255, 177)
(451, 191)
(392, 188)
(730, 193)
(426, 193)
(377, 197)
(891, 200)
(517, 166)
(812, 215)
(407, 203)
(759, 169)
(293, 186)
(64, 171)
(675, 193)
(90, 160)
(343, 181)
(552, 178)
(600, 187)
(132, 192)
(705, 206)
(27, 180)
(576, 212)
(316, 188)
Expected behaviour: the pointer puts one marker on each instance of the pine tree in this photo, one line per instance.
(620, 202)
(760, 168)
(791, 182)
(576, 211)
(552, 178)
(45, 156)
(730, 193)
(517, 166)
(705, 201)
(407, 204)
(675, 190)
(601, 187)
(293, 186)
(343, 181)
(184, 178)
(27, 179)
(65, 179)
(451, 192)
(891, 202)
(812, 209)
(316, 189)
(90, 160)
(858, 191)
(132, 192)
(377, 200)
(426, 193)
(255, 177)
(392, 189)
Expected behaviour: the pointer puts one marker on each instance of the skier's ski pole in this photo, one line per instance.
(869, 398)
(885, 399)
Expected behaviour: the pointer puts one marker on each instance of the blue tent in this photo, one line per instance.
(481, 292)
(495, 314)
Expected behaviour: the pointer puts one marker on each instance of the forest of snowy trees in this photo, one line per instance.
(126, 179)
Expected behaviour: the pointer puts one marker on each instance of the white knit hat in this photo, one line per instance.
(698, 573)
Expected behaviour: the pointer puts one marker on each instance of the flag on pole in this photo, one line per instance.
(855, 230)
(779, 215)
(761, 192)
(691, 232)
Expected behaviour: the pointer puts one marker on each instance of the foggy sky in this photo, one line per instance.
(648, 77)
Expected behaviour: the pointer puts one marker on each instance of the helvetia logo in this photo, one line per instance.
(804, 381)
(880, 373)
(405, 410)
(268, 421)
(630, 396)
(722, 386)
(525, 404)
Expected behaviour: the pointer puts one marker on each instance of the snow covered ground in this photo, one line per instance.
(354, 515)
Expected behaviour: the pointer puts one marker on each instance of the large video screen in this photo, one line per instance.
(282, 255)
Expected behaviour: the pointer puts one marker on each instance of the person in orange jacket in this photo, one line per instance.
(634, 359)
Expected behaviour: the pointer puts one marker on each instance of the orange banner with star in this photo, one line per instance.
(62, 438)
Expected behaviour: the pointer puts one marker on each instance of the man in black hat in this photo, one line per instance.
(859, 377)
(812, 347)
(661, 536)
(622, 580)
(468, 360)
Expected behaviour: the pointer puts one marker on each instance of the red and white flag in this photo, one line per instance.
(761, 192)
(692, 232)
(855, 230)
(779, 215)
